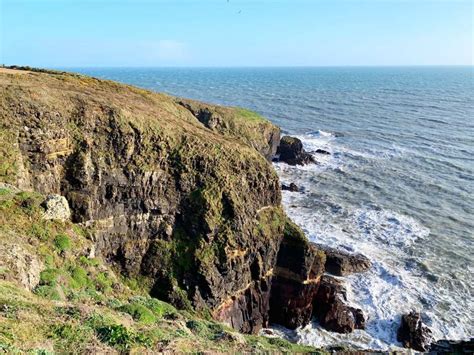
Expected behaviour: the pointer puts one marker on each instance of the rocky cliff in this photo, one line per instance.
(176, 191)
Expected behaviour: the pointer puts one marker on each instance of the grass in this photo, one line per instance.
(62, 242)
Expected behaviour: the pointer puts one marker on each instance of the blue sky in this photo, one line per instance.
(69, 33)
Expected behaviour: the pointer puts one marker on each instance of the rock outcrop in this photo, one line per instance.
(296, 279)
(342, 263)
(331, 308)
(291, 151)
(246, 125)
(413, 333)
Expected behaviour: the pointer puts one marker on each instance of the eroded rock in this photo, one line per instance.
(291, 152)
(413, 333)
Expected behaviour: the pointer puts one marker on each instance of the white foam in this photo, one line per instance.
(391, 287)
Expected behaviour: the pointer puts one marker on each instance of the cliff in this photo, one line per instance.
(173, 194)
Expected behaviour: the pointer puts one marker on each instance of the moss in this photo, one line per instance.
(62, 242)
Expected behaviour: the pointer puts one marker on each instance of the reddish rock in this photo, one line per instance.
(296, 279)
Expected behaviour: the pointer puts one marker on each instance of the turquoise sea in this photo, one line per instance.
(398, 186)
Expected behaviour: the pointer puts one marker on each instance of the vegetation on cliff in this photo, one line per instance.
(164, 201)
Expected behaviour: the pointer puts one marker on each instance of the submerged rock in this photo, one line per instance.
(291, 152)
(322, 151)
(292, 187)
(56, 207)
(341, 263)
(413, 333)
(331, 308)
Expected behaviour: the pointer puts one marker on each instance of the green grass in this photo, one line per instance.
(249, 115)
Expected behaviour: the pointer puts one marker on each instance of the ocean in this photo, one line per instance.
(397, 187)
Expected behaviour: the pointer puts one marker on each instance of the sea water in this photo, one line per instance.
(397, 187)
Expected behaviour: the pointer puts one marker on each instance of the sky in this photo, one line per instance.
(228, 33)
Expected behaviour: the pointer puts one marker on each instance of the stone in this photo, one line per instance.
(292, 187)
(413, 333)
(331, 308)
(291, 151)
(56, 207)
(342, 263)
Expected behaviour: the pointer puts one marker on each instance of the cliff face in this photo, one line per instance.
(186, 200)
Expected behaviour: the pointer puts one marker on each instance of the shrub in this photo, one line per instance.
(139, 312)
(103, 282)
(115, 335)
(79, 278)
(49, 277)
(62, 242)
(49, 292)
(39, 231)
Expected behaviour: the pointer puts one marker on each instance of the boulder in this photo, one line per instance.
(291, 152)
(331, 308)
(296, 279)
(342, 263)
(56, 207)
(413, 333)
(292, 187)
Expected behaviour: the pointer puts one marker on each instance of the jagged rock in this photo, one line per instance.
(452, 347)
(56, 207)
(413, 333)
(342, 263)
(322, 151)
(331, 308)
(297, 273)
(291, 152)
(292, 187)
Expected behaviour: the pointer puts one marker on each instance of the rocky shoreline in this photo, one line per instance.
(181, 195)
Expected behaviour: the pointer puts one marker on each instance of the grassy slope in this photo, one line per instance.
(81, 304)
